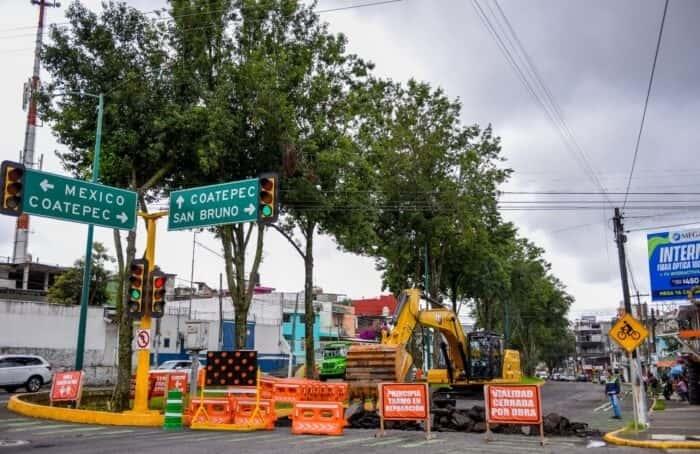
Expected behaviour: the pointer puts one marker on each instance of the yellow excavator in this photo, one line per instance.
(470, 360)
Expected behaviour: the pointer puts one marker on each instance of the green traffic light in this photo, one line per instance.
(135, 294)
(267, 210)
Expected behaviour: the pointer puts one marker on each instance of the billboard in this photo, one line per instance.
(674, 263)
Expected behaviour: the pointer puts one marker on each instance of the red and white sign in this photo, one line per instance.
(404, 401)
(66, 386)
(178, 381)
(513, 404)
(143, 339)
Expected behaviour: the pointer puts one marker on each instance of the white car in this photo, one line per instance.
(176, 365)
(24, 371)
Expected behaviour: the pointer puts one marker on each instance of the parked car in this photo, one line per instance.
(176, 365)
(556, 376)
(24, 371)
(542, 374)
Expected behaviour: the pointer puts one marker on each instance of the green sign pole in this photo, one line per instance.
(87, 268)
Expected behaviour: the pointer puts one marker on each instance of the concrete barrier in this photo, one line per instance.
(19, 404)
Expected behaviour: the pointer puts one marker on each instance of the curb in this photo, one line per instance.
(17, 405)
(611, 437)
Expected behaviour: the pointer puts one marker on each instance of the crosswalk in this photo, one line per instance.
(447, 443)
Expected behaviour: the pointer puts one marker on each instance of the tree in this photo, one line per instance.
(121, 53)
(324, 170)
(67, 289)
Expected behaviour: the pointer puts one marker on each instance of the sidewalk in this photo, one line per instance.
(676, 427)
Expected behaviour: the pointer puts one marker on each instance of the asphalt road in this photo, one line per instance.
(57, 437)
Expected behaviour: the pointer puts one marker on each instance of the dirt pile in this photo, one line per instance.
(450, 419)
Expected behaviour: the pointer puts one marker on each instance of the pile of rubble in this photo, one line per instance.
(450, 419)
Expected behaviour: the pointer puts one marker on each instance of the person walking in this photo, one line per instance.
(682, 389)
(612, 389)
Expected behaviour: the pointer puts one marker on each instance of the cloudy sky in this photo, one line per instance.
(593, 57)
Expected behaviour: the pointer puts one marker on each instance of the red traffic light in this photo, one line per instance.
(159, 282)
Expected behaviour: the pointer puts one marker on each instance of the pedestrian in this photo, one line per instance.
(682, 389)
(612, 389)
(668, 387)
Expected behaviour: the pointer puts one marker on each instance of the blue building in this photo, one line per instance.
(295, 323)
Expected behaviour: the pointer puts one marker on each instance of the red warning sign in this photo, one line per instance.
(513, 404)
(66, 386)
(177, 381)
(143, 339)
(404, 401)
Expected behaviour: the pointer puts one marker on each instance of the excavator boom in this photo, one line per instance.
(370, 364)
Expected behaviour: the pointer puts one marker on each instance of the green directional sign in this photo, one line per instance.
(59, 197)
(225, 203)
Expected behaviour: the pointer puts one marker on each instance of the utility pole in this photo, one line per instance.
(638, 397)
(19, 253)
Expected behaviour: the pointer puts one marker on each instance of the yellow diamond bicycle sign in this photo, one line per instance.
(628, 332)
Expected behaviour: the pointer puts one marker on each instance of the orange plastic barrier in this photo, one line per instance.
(318, 418)
(218, 410)
(267, 386)
(245, 413)
(286, 391)
(323, 392)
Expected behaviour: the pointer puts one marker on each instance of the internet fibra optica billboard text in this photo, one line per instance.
(674, 263)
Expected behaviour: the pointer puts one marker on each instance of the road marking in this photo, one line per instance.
(387, 442)
(47, 426)
(113, 432)
(24, 423)
(350, 441)
(423, 442)
(14, 419)
(301, 439)
(72, 429)
(253, 437)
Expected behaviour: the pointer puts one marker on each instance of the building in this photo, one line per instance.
(372, 313)
(40, 277)
(593, 346)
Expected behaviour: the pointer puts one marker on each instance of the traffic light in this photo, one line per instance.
(157, 290)
(268, 209)
(137, 278)
(12, 184)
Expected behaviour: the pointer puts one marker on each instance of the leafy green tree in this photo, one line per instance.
(122, 53)
(67, 289)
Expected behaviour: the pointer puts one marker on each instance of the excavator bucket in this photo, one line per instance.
(370, 364)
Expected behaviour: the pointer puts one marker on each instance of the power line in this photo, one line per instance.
(646, 101)
(641, 229)
(545, 99)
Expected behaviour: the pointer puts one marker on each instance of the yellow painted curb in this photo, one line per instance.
(611, 437)
(84, 416)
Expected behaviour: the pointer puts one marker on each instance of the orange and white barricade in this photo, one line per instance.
(218, 411)
(246, 414)
(318, 418)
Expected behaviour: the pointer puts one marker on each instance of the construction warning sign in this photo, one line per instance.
(513, 404)
(404, 401)
(66, 386)
(628, 332)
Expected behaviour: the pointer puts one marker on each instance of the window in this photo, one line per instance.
(286, 318)
(166, 342)
(10, 362)
(33, 362)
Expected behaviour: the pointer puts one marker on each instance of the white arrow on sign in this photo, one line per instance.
(250, 209)
(122, 217)
(179, 202)
(45, 185)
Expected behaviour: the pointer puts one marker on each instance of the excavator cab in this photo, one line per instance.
(484, 356)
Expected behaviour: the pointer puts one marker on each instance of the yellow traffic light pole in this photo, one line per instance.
(143, 358)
